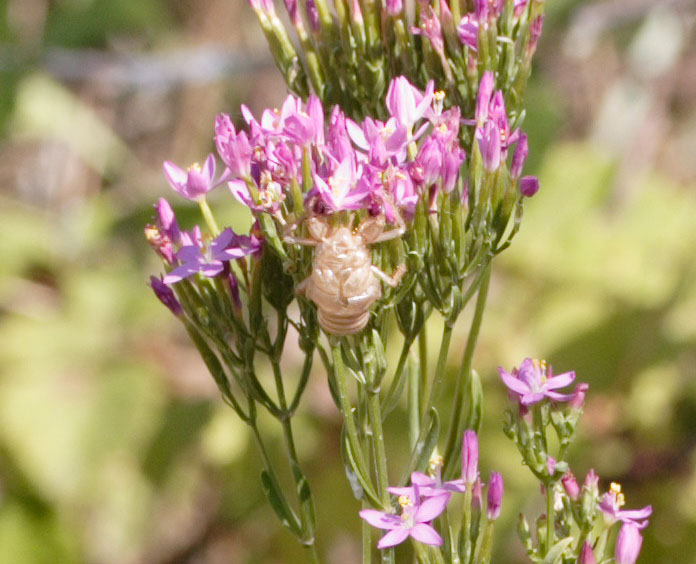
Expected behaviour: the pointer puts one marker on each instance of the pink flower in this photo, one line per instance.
(495, 496)
(533, 381)
(611, 502)
(414, 521)
(195, 182)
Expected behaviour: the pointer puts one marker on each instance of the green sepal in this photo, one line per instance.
(474, 414)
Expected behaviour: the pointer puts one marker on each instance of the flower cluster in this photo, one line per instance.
(428, 496)
(572, 525)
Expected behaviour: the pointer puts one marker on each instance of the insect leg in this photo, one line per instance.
(393, 280)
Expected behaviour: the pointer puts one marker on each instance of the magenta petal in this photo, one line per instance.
(426, 534)
(559, 381)
(431, 508)
(401, 491)
(394, 537)
(380, 519)
(422, 480)
(635, 513)
(532, 398)
(555, 396)
(513, 383)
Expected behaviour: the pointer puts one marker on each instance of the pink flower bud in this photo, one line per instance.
(470, 454)
(495, 496)
(586, 554)
(570, 484)
(578, 399)
(529, 185)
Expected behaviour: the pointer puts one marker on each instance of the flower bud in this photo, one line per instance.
(394, 7)
(477, 495)
(529, 185)
(490, 145)
(519, 156)
(578, 399)
(570, 484)
(470, 453)
(495, 496)
(586, 554)
(628, 544)
(166, 295)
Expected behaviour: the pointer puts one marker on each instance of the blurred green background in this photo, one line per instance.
(114, 446)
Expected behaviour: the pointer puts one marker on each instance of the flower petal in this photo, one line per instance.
(426, 534)
(513, 383)
(559, 381)
(380, 519)
(431, 508)
(394, 537)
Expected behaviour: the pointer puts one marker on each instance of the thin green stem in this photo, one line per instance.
(439, 377)
(374, 414)
(423, 365)
(366, 539)
(456, 428)
(466, 524)
(346, 407)
(208, 216)
(550, 517)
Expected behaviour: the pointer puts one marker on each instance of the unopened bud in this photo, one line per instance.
(570, 484)
(586, 554)
(470, 454)
(495, 496)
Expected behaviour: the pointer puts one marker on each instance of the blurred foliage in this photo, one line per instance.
(114, 447)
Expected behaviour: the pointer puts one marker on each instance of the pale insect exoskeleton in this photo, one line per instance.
(344, 283)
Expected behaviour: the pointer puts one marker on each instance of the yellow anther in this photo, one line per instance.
(439, 95)
(405, 501)
(615, 487)
(195, 166)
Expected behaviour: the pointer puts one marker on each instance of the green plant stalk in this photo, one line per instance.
(456, 428)
(374, 414)
(346, 407)
(208, 216)
(484, 555)
(285, 420)
(466, 524)
(366, 539)
(439, 377)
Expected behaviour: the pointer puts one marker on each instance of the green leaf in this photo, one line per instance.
(555, 555)
(358, 478)
(475, 412)
(279, 504)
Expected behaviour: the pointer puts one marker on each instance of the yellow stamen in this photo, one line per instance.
(439, 95)
(405, 501)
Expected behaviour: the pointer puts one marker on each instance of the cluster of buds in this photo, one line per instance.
(424, 501)
(578, 520)
(350, 50)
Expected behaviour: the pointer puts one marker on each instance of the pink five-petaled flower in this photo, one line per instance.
(406, 103)
(211, 261)
(611, 502)
(533, 381)
(414, 520)
(194, 182)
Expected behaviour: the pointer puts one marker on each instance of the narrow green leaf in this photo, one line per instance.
(424, 446)
(279, 504)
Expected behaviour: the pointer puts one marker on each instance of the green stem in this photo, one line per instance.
(208, 216)
(466, 524)
(366, 539)
(423, 365)
(486, 545)
(346, 407)
(374, 414)
(456, 428)
(439, 377)
(550, 517)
